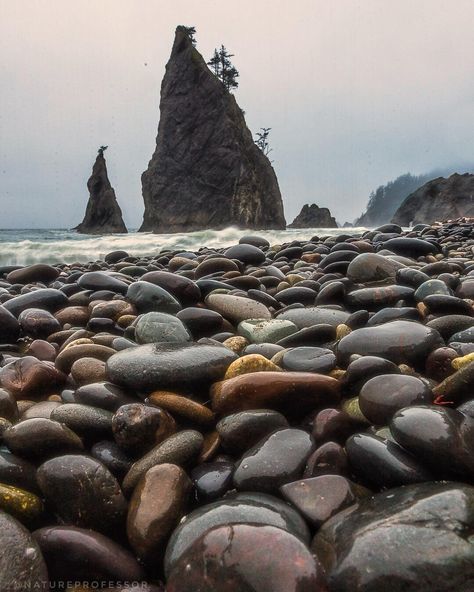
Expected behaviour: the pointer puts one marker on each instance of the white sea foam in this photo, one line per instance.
(24, 247)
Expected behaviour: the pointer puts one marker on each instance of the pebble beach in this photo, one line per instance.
(268, 417)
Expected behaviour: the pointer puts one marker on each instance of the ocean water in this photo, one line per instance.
(24, 247)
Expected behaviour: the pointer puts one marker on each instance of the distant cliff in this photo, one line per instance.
(312, 216)
(438, 200)
(103, 214)
(206, 171)
(384, 202)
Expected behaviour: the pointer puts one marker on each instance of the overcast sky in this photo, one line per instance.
(356, 93)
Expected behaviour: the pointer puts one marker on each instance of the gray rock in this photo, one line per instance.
(159, 327)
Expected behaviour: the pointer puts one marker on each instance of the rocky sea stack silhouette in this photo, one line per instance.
(103, 214)
(438, 200)
(206, 171)
(312, 216)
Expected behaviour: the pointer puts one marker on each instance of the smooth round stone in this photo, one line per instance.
(277, 459)
(213, 265)
(386, 315)
(406, 539)
(44, 298)
(137, 427)
(99, 280)
(182, 288)
(370, 267)
(179, 449)
(442, 304)
(383, 463)
(311, 336)
(431, 287)
(22, 505)
(88, 370)
(41, 438)
(250, 508)
(308, 359)
(464, 336)
(248, 254)
(328, 459)
(22, 566)
(42, 409)
(267, 350)
(382, 396)
(409, 276)
(38, 323)
(212, 480)
(256, 241)
(84, 419)
(29, 378)
(85, 556)
(448, 325)
(33, 273)
(319, 498)
(169, 366)
(441, 438)
(240, 431)
(42, 350)
(113, 457)
(159, 327)
(220, 560)
(237, 308)
(82, 492)
(457, 387)
(296, 294)
(8, 406)
(376, 298)
(201, 321)
(410, 247)
(73, 352)
(334, 425)
(148, 297)
(182, 407)
(158, 503)
(399, 341)
(331, 293)
(112, 310)
(17, 471)
(9, 326)
(266, 331)
(361, 370)
(314, 315)
(294, 393)
(115, 256)
(247, 364)
(104, 395)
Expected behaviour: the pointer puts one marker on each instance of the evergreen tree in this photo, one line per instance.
(223, 68)
(191, 32)
(262, 140)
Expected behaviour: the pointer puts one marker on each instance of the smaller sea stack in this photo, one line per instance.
(103, 214)
(312, 216)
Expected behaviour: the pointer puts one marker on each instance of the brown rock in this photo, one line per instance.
(88, 370)
(29, 377)
(182, 407)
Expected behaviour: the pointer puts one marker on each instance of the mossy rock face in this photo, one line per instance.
(21, 504)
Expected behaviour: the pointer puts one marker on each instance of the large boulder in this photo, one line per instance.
(206, 171)
(312, 216)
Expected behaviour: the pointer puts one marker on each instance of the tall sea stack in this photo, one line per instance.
(103, 214)
(206, 171)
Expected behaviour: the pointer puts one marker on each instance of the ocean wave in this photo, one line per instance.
(25, 247)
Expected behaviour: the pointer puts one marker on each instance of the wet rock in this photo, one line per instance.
(410, 539)
(321, 497)
(104, 395)
(370, 267)
(9, 326)
(41, 438)
(8, 406)
(44, 298)
(204, 568)
(328, 459)
(38, 323)
(22, 505)
(87, 555)
(182, 407)
(82, 492)
(179, 449)
(266, 331)
(148, 297)
(382, 463)
(157, 504)
(237, 308)
(294, 393)
(113, 457)
(277, 459)
(158, 327)
(88, 421)
(248, 364)
(173, 366)
(310, 316)
(201, 322)
(22, 566)
(29, 378)
(256, 508)
(382, 396)
(17, 471)
(137, 427)
(308, 359)
(212, 480)
(398, 341)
